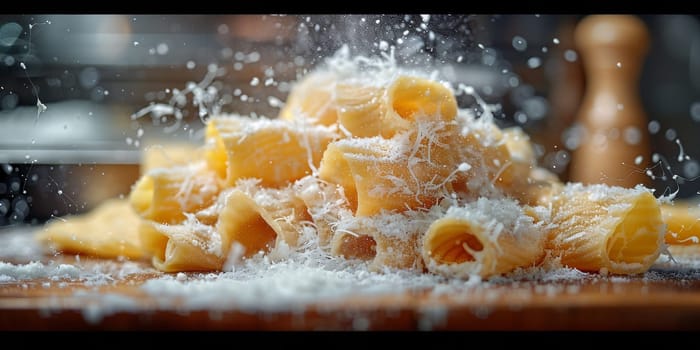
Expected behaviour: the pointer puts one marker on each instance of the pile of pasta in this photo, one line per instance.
(388, 171)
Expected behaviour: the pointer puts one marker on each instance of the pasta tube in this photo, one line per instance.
(188, 246)
(165, 194)
(312, 99)
(606, 228)
(259, 220)
(485, 238)
(108, 231)
(387, 240)
(683, 223)
(275, 151)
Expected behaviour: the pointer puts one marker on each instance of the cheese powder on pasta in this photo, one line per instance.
(378, 165)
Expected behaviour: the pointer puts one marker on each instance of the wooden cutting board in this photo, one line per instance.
(667, 298)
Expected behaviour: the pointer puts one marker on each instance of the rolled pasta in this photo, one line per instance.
(606, 228)
(188, 246)
(108, 231)
(167, 155)
(485, 238)
(164, 195)
(682, 223)
(361, 108)
(326, 204)
(409, 171)
(258, 220)
(410, 98)
(275, 151)
(387, 240)
(312, 99)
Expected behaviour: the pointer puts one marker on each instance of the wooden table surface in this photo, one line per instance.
(666, 298)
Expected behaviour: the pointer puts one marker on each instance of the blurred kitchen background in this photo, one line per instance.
(96, 73)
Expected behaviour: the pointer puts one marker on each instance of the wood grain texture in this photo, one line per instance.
(667, 298)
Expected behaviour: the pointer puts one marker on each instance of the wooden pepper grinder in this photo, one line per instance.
(613, 119)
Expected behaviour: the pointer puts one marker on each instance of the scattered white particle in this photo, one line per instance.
(619, 64)
(695, 111)
(129, 141)
(383, 45)
(570, 55)
(190, 65)
(691, 169)
(181, 277)
(40, 107)
(519, 43)
(520, 117)
(681, 152)
(460, 59)
(21, 64)
(654, 127)
(222, 29)
(162, 49)
(544, 49)
(638, 160)
(139, 132)
(106, 92)
(136, 43)
(555, 41)
(632, 135)
(425, 18)
(255, 81)
(534, 62)
(671, 134)
(464, 167)
(275, 102)
(60, 192)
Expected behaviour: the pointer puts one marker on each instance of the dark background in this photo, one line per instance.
(94, 71)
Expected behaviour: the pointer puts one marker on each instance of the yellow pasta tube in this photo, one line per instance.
(312, 98)
(275, 151)
(188, 246)
(165, 194)
(352, 245)
(683, 223)
(326, 204)
(360, 108)
(259, 220)
(485, 238)
(492, 172)
(606, 228)
(387, 240)
(540, 187)
(214, 147)
(410, 98)
(108, 231)
(166, 155)
(409, 171)
(519, 146)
